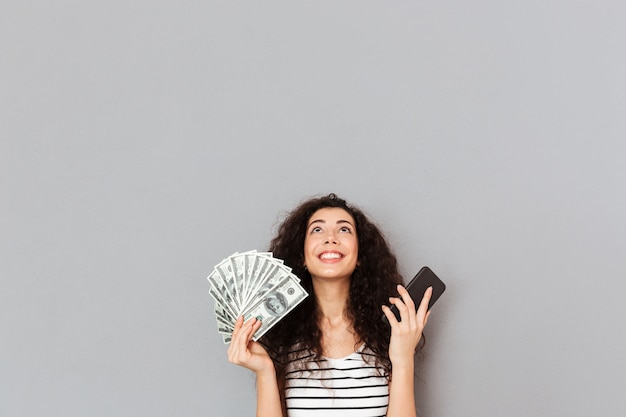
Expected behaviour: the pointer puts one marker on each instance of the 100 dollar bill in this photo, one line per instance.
(275, 304)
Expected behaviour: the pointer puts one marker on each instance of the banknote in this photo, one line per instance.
(253, 284)
(275, 304)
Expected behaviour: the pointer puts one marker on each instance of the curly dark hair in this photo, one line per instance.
(372, 283)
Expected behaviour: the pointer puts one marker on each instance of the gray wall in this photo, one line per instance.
(141, 142)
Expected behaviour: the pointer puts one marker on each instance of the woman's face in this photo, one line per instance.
(331, 247)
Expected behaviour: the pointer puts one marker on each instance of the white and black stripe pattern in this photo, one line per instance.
(347, 387)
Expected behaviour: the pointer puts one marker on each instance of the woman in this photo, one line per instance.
(333, 355)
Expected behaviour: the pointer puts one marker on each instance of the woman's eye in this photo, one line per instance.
(345, 229)
(316, 229)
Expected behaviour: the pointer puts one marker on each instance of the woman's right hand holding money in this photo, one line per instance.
(247, 353)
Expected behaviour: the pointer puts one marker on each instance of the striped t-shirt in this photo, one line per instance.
(346, 387)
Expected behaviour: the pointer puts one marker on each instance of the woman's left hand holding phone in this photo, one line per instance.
(406, 334)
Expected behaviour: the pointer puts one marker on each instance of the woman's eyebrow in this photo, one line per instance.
(324, 222)
(317, 221)
(345, 221)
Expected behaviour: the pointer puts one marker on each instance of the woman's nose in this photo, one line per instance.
(330, 238)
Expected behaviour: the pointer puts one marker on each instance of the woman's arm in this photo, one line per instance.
(249, 354)
(405, 335)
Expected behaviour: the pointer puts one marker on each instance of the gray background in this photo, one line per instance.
(143, 141)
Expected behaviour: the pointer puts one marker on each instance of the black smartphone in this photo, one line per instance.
(417, 287)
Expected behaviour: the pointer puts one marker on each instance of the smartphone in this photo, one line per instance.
(417, 287)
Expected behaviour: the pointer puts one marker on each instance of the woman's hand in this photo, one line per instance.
(245, 352)
(249, 354)
(406, 333)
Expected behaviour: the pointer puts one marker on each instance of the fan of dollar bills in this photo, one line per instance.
(253, 284)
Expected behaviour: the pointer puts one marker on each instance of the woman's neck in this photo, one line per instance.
(332, 299)
(338, 336)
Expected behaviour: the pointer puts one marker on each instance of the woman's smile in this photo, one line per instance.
(330, 256)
